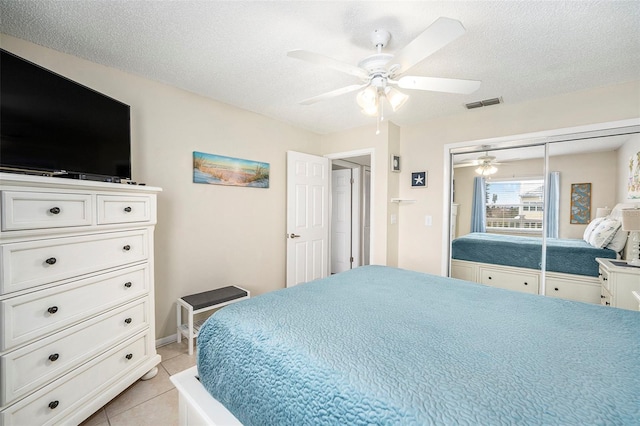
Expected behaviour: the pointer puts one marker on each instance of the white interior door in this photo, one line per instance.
(307, 217)
(341, 257)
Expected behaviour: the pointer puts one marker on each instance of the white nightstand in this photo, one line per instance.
(618, 281)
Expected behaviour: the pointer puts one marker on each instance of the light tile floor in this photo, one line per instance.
(151, 402)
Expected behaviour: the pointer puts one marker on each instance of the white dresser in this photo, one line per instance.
(76, 296)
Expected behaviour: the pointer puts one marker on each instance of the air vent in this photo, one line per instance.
(486, 102)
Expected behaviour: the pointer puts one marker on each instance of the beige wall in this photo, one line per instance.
(599, 169)
(422, 147)
(207, 236)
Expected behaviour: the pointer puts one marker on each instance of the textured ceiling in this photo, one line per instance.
(235, 51)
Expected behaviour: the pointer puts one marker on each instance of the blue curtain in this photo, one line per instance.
(478, 208)
(552, 210)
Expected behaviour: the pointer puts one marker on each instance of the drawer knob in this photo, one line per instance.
(52, 310)
(526, 283)
(602, 296)
(54, 210)
(489, 277)
(127, 209)
(53, 357)
(53, 404)
(127, 321)
(127, 284)
(556, 288)
(51, 261)
(607, 303)
(128, 356)
(126, 248)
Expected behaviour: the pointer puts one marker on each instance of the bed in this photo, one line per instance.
(567, 256)
(379, 345)
(515, 262)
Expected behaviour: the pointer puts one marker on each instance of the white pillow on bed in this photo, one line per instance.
(604, 233)
(619, 241)
(591, 227)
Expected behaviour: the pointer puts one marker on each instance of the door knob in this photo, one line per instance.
(294, 236)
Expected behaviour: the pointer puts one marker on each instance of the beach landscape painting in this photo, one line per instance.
(221, 170)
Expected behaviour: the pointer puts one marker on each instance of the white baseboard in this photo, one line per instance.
(166, 340)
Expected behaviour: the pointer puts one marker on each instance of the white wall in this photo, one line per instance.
(207, 236)
(630, 148)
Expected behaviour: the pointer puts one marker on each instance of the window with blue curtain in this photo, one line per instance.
(478, 206)
(552, 212)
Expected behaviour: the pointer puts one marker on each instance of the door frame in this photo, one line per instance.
(358, 153)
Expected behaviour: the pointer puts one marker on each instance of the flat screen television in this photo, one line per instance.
(51, 124)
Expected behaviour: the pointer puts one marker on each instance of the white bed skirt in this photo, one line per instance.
(196, 405)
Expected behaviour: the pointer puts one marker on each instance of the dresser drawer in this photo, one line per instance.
(32, 263)
(123, 209)
(44, 312)
(32, 366)
(524, 282)
(605, 298)
(603, 275)
(39, 210)
(581, 292)
(57, 400)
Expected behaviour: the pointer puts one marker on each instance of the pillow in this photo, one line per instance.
(619, 240)
(604, 233)
(591, 227)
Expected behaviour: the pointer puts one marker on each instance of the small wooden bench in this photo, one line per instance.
(202, 302)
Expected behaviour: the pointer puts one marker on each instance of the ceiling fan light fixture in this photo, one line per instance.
(486, 169)
(368, 100)
(396, 98)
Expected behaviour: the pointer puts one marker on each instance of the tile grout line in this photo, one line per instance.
(142, 402)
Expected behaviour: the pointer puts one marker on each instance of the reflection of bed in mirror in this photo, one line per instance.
(514, 262)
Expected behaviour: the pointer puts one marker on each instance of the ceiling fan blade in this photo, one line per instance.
(316, 58)
(440, 33)
(435, 84)
(333, 93)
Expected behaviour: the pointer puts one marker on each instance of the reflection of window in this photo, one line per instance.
(515, 205)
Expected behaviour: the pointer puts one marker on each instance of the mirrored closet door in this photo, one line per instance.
(520, 214)
(498, 202)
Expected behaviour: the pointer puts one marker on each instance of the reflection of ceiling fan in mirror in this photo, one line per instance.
(486, 164)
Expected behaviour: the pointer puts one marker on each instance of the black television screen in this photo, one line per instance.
(52, 124)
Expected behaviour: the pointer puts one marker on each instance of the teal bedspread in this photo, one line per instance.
(384, 346)
(569, 256)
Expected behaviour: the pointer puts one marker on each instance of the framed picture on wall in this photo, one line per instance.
(395, 163)
(419, 179)
(580, 203)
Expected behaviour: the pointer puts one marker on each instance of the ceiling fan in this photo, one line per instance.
(486, 164)
(381, 72)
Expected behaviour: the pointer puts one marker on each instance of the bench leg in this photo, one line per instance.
(179, 321)
(191, 332)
